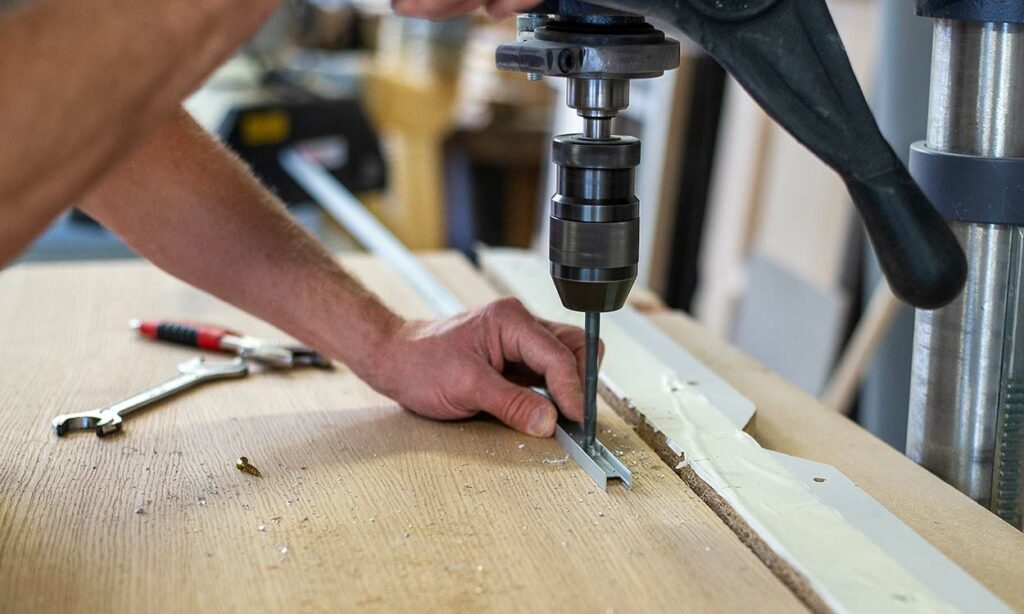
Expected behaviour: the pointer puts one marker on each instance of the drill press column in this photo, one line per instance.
(966, 404)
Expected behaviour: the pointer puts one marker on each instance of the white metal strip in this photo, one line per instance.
(883, 527)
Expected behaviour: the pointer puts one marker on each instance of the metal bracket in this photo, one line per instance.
(601, 465)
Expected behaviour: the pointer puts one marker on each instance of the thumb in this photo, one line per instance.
(521, 408)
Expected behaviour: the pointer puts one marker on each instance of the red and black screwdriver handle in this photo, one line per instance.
(204, 336)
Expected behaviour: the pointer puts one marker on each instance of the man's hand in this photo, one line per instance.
(483, 361)
(446, 9)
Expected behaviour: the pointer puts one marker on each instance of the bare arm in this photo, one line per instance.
(185, 203)
(83, 82)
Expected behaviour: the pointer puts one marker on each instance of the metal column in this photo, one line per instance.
(967, 387)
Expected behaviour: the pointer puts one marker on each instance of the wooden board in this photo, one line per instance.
(361, 503)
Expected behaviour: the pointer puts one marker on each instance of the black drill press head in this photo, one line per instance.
(595, 216)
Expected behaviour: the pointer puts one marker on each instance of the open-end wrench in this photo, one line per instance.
(108, 419)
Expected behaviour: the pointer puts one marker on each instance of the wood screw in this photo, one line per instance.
(243, 465)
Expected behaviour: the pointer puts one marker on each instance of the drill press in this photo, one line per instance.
(788, 56)
(595, 216)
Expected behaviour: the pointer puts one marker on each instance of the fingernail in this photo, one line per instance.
(539, 426)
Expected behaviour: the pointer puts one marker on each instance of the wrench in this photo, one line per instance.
(108, 419)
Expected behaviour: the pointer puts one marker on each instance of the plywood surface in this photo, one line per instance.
(791, 421)
(361, 504)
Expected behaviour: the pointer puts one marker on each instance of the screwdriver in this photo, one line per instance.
(593, 334)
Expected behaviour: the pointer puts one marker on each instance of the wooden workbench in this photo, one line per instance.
(362, 504)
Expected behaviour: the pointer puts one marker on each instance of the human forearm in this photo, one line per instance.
(185, 203)
(84, 81)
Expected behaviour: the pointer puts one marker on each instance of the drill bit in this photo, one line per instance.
(593, 333)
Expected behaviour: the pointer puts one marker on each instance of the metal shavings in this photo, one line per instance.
(262, 528)
(139, 510)
(275, 519)
(521, 446)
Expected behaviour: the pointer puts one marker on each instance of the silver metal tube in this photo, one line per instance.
(977, 92)
(597, 97)
(967, 378)
(597, 128)
(340, 204)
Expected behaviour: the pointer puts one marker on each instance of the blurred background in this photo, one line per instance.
(741, 227)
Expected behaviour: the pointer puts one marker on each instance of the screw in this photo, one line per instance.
(243, 465)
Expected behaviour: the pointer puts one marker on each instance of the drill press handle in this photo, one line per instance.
(788, 56)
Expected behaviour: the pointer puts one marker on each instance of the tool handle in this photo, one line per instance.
(788, 55)
(204, 336)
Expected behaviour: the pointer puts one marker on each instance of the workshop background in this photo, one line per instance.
(741, 226)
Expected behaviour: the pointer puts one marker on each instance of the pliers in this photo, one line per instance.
(211, 337)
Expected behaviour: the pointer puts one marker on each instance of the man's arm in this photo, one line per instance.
(83, 82)
(188, 205)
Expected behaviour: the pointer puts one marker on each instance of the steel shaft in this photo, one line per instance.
(967, 387)
(593, 346)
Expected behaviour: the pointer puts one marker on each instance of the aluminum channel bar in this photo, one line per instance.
(346, 209)
(599, 462)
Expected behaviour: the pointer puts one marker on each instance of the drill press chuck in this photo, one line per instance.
(595, 221)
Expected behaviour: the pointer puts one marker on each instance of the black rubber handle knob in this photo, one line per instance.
(920, 257)
(788, 56)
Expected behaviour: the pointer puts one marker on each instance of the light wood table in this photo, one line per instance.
(363, 504)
